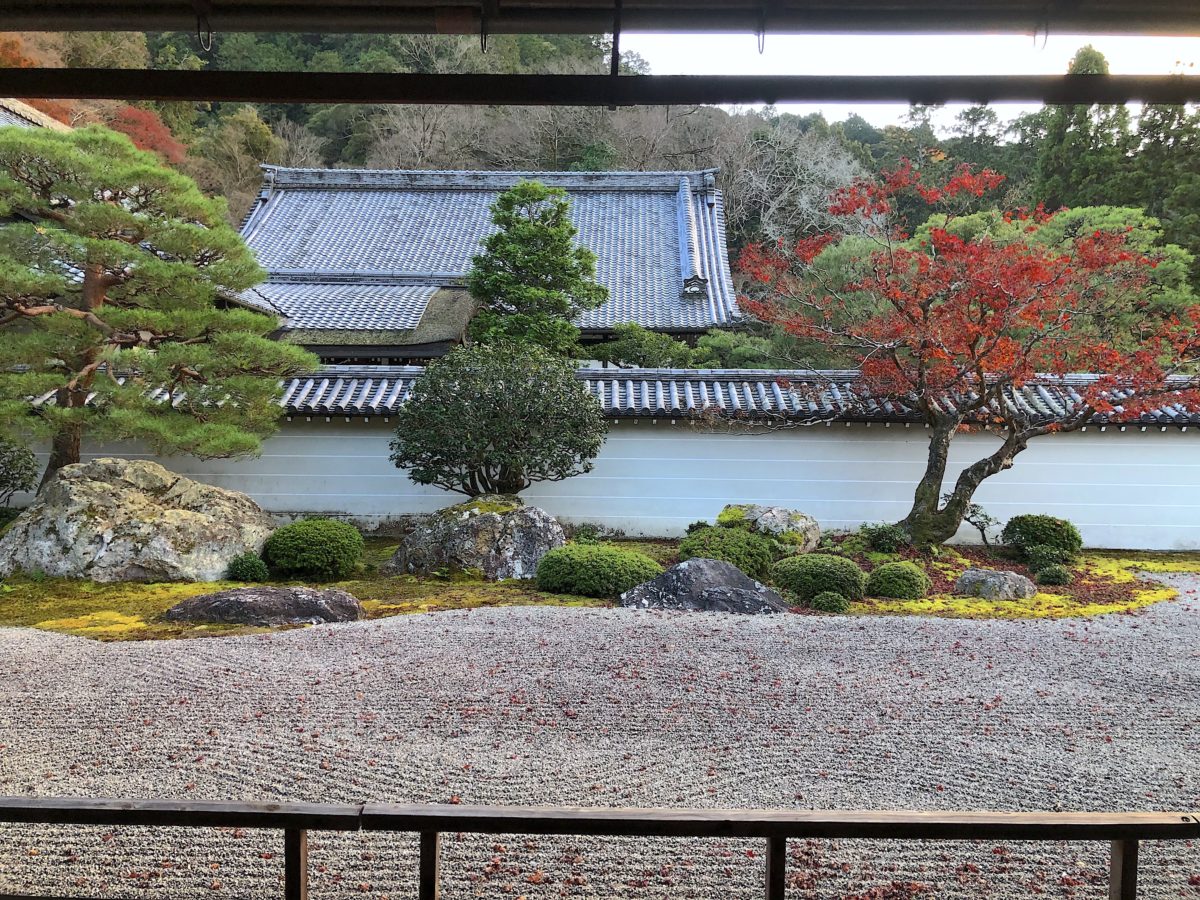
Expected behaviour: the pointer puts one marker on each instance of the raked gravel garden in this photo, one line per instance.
(610, 707)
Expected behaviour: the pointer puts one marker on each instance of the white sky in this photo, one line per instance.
(737, 54)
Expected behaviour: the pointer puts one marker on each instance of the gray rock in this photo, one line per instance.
(132, 520)
(705, 585)
(265, 605)
(789, 526)
(497, 536)
(993, 584)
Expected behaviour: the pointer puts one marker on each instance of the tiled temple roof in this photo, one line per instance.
(659, 239)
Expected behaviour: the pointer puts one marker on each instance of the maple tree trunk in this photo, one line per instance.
(932, 522)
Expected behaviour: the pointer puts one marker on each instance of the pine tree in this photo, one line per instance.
(112, 273)
(532, 278)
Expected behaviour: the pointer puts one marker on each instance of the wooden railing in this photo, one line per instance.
(1123, 830)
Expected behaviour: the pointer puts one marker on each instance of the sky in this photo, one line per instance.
(730, 54)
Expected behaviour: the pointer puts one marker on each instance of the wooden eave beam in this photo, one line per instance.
(1174, 17)
(587, 90)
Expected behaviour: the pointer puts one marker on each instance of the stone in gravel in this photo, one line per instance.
(497, 536)
(265, 605)
(705, 585)
(132, 520)
(789, 526)
(994, 584)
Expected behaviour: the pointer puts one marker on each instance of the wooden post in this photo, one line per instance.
(1123, 871)
(776, 867)
(431, 866)
(295, 864)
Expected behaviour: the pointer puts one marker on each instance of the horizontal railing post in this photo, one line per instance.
(1123, 870)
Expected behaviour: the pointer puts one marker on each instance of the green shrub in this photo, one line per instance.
(594, 570)
(898, 581)
(829, 601)
(750, 552)
(9, 514)
(698, 526)
(1042, 556)
(816, 573)
(1054, 574)
(733, 516)
(247, 567)
(1024, 532)
(884, 538)
(322, 549)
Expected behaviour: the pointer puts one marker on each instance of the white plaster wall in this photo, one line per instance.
(1132, 490)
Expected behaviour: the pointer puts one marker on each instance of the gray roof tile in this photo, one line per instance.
(649, 230)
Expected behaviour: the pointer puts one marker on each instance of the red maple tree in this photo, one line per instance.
(148, 131)
(952, 327)
(13, 56)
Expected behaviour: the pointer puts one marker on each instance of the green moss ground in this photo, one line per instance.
(1104, 582)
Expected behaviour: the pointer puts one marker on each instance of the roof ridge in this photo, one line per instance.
(276, 177)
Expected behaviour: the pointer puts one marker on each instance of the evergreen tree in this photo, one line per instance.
(111, 272)
(1083, 156)
(532, 278)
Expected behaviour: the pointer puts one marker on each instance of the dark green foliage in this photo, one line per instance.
(697, 526)
(247, 567)
(898, 581)
(1042, 556)
(815, 573)
(884, 538)
(1027, 531)
(494, 419)
(18, 470)
(587, 533)
(830, 602)
(1054, 575)
(532, 278)
(750, 552)
(594, 570)
(9, 514)
(154, 258)
(321, 549)
(638, 346)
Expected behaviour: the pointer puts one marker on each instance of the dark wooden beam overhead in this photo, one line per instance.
(596, 16)
(586, 90)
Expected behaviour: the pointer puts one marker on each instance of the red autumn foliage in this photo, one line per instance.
(148, 132)
(13, 56)
(973, 319)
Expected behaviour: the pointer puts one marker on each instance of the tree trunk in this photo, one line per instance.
(929, 521)
(63, 452)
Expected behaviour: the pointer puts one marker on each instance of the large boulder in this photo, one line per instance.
(132, 520)
(263, 605)
(705, 585)
(798, 530)
(994, 584)
(497, 536)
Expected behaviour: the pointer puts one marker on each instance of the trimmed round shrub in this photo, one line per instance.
(698, 526)
(1042, 556)
(829, 601)
(247, 567)
(1025, 532)
(817, 573)
(884, 538)
(752, 553)
(1054, 575)
(321, 549)
(594, 570)
(898, 581)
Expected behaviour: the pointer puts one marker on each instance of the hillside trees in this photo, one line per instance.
(951, 324)
(111, 271)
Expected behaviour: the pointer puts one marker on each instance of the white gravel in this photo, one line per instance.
(610, 707)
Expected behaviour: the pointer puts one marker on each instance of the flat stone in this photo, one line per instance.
(132, 520)
(266, 605)
(994, 584)
(705, 585)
